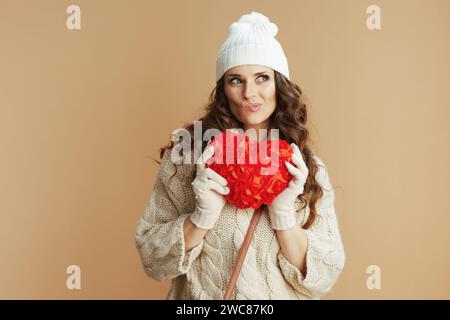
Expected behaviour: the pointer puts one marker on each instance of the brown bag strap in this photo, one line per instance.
(242, 253)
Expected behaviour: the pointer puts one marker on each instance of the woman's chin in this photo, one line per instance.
(254, 125)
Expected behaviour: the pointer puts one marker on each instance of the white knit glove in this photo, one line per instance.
(209, 188)
(282, 209)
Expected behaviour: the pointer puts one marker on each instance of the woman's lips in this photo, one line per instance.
(253, 107)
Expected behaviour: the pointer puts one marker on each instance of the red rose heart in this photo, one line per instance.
(237, 159)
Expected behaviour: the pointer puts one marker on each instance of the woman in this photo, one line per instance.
(190, 234)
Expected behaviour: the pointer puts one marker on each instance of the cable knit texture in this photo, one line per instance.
(204, 271)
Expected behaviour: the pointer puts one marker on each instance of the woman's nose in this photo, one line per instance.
(250, 90)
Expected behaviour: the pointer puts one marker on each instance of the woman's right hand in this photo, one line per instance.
(209, 189)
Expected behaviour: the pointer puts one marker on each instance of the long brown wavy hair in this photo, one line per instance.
(289, 117)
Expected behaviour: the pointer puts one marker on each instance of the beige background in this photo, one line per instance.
(83, 111)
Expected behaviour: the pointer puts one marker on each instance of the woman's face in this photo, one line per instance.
(249, 84)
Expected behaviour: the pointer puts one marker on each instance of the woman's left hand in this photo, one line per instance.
(282, 209)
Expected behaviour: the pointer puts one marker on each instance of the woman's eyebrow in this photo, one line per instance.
(238, 75)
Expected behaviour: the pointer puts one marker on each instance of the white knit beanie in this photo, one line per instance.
(251, 40)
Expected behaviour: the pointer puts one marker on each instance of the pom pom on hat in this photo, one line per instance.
(256, 20)
(251, 40)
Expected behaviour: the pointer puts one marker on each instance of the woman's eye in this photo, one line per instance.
(265, 77)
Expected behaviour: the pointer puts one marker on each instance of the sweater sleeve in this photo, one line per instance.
(325, 256)
(159, 234)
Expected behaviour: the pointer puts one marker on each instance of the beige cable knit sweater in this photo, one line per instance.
(204, 271)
